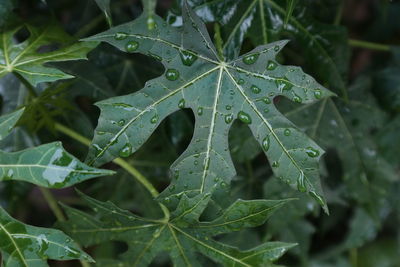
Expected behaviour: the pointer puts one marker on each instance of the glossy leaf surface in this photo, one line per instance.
(47, 165)
(218, 93)
(182, 236)
(8, 121)
(24, 58)
(27, 246)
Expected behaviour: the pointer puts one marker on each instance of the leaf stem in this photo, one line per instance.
(339, 13)
(369, 45)
(52, 202)
(122, 163)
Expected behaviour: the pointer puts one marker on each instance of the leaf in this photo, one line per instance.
(366, 173)
(324, 46)
(104, 5)
(182, 236)
(26, 59)
(218, 93)
(47, 165)
(25, 245)
(149, 9)
(8, 121)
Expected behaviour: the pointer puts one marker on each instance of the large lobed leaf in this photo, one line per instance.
(28, 246)
(218, 92)
(28, 58)
(182, 236)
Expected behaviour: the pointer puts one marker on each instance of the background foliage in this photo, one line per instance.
(350, 47)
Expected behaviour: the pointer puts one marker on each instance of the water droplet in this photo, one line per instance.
(100, 132)
(266, 100)
(271, 65)
(156, 57)
(167, 200)
(317, 198)
(301, 183)
(121, 122)
(240, 81)
(287, 132)
(120, 36)
(200, 111)
(172, 74)
(244, 117)
(297, 99)
(250, 59)
(266, 110)
(317, 93)
(181, 103)
(283, 84)
(311, 152)
(228, 118)
(276, 48)
(228, 107)
(187, 58)
(131, 46)
(216, 179)
(266, 143)
(171, 188)
(255, 89)
(126, 151)
(151, 24)
(223, 184)
(154, 119)
(123, 105)
(275, 164)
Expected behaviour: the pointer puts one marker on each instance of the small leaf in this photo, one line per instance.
(8, 121)
(47, 165)
(26, 60)
(25, 245)
(183, 236)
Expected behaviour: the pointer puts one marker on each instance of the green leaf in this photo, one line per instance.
(104, 5)
(47, 165)
(25, 245)
(26, 59)
(8, 121)
(182, 236)
(324, 46)
(218, 93)
(149, 9)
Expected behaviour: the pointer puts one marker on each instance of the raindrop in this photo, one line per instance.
(250, 59)
(255, 89)
(244, 117)
(283, 84)
(240, 81)
(317, 93)
(171, 188)
(228, 118)
(172, 74)
(120, 36)
(287, 132)
(121, 122)
(266, 100)
(276, 48)
(181, 103)
(131, 46)
(311, 152)
(275, 164)
(297, 99)
(266, 143)
(317, 198)
(228, 107)
(187, 58)
(200, 111)
(301, 183)
(271, 65)
(154, 119)
(126, 150)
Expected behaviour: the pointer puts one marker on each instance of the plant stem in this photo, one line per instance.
(218, 41)
(52, 202)
(369, 45)
(339, 13)
(353, 257)
(122, 163)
